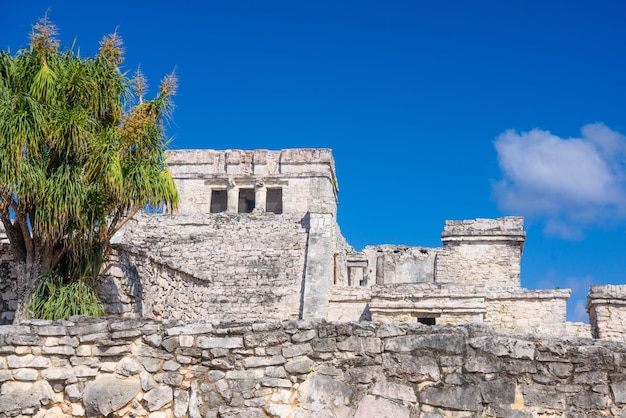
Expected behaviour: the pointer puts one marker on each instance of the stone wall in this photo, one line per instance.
(205, 267)
(391, 264)
(541, 312)
(606, 305)
(306, 176)
(8, 295)
(481, 251)
(126, 368)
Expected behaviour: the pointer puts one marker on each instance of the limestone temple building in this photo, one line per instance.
(256, 236)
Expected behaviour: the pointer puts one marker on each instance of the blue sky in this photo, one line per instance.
(434, 110)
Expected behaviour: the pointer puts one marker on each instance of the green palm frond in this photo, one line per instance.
(77, 150)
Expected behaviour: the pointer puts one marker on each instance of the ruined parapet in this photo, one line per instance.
(606, 305)
(510, 310)
(394, 264)
(578, 330)
(427, 303)
(481, 251)
(194, 266)
(349, 304)
(286, 181)
(539, 312)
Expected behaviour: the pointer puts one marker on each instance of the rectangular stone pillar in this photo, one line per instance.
(233, 199)
(317, 271)
(260, 198)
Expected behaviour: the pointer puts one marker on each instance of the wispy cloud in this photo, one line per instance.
(569, 183)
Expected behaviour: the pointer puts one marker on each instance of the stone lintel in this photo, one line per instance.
(607, 291)
(288, 163)
(215, 180)
(483, 238)
(416, 311)
(500, 229)
(430, 306)
(359, 295)
(521, 294)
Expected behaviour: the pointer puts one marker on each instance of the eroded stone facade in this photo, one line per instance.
(300, 369)
(256, 236)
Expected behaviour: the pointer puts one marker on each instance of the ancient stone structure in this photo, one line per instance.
(606, 305)
(222, 310)
(256, 236)
(147, 368)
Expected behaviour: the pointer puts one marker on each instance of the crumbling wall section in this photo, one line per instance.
(113, 367)
(203, 267)
(8, 282)
(606, 305)
(349, 304)
(394, 264)
(481, 251)
(541, 312)
(443, 304)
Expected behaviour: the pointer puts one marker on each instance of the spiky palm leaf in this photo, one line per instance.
(76, 159)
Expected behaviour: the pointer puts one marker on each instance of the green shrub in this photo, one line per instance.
(54, 299)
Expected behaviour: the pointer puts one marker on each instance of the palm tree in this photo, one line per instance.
(81, 152)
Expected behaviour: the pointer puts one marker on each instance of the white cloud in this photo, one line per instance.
(580, 312)
(569, 183)
(576, 305)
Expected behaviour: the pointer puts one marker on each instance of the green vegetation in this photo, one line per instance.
(81, 152)
(55, 299)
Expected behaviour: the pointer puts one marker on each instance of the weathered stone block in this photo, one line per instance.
(58, 373)
(444, 343)
(299, 365)
(29, 360)
(372, 345)
(171, 379)
(466, 398)
(482, 364)
(545, 397)
(366, 374)
(264, 339)
(396, 391)
(108, 393)
(219, 342)
(411, 368)
(253, 362)
(304, 336)
(158, 397)
(296, 350)
(503, 346)
(318, 393)
(619, 392)
(498, 391)
(273, 382)
(591, 401)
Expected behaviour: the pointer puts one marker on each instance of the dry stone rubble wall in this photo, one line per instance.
(114, 367)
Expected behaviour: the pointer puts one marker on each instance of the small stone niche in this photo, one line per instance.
(430, 321)
(219, 201)
(274, 200)
(246, 201)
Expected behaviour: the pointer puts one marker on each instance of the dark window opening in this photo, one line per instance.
(426, 321)
(246, 201)
(274, 202)
(219, 201)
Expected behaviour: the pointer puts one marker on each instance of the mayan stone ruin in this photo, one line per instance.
(248, 302)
